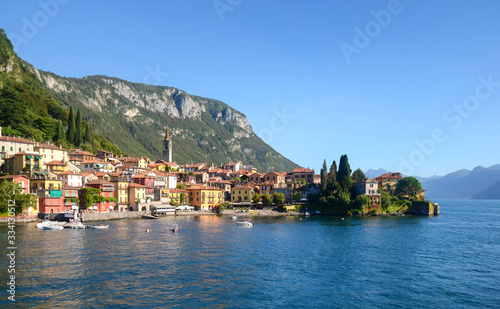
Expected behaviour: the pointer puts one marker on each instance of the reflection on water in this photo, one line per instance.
(280, 262)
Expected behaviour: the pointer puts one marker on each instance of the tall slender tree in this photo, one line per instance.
(71, 132)
(324, 178)
(89, 136)
(60, 136)
(333, 171)
(78, 133)
(344, 173)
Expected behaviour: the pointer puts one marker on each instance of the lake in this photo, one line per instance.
(446, 261)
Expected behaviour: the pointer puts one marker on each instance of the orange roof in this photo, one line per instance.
(99, 182)
(136, 185)
(14, 177)
(390, 176)
(55, 162)
(69, 173)
(303, 170)
(93, 161)
(15, 139)
(50, 146)
(242, 188)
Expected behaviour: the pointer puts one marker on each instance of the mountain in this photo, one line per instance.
(375, 173)
(478, 183)
(134, 117)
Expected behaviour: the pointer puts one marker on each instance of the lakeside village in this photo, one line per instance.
(48, 180)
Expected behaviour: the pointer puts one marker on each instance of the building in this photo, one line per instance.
(147, 180)
(51, 201)
(388, 181)
(71, 197)
(50, 152)
(232, 166)
(256, 177)
(136, 197)
(303, 173)
(56, 166)
(26, 162)
(107, 192)
(97, 165)
(204, 198)
(242, 194)
(11, 145)
(23, 181)
(167, 147)
(369, 187)
(121, 191)
(266, 187)
(71, 179)
(105, 155)
(276, 178)
(41, 181)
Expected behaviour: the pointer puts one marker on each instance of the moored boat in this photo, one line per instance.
(245, 222)
(175, 228)
(100, 227)
(234, 217)
(52, 227)
(48, 223)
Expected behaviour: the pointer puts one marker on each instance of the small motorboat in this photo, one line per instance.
(145, 216)
(99, 227)
(52, 227)
(234, 217)
(245, 222)
(175, 228)
(48, 223)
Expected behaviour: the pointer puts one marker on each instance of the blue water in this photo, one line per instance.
(447, 261)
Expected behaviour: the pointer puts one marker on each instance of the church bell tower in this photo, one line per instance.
(167, 148)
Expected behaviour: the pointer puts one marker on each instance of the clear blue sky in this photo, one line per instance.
(365, 78)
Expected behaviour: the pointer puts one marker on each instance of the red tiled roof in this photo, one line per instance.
(15, 139)
(99, 182)
(55, 162)
(303, 170)
(14, 177)
(50, 146)
(390, 176)
(242, 188)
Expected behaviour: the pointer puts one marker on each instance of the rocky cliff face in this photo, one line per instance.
(134, 117)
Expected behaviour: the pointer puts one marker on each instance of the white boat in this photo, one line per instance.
(234, 217)
(307, 214)
(52, 227)
(48, 223)
(74, 225)
(100, 227)
(245, 222)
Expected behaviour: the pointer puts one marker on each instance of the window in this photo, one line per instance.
(11, 148)
(19, 149)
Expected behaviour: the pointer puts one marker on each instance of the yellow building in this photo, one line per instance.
(388, 181)
(41, 181)
(56, 166)
(205, 198)
(10, 145)
(241, 194)
(25, 161)
(50, 152)
(136, 197)
(121, 191)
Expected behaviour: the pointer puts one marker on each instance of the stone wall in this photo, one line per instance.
(107, 216)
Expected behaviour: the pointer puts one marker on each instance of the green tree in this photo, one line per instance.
(60, 136)
(13, 110)
(358, 175)
(91, 196)
(333, 171)
(89, 136)
(344, 173)
(297, 196)
(361, 202)
(324, 174)
(266, 199)
(408, 186)
(222, 206)
(181, 186)
(78, 132)
(71, 132)
(256, 198)
(11, 191)
(278, 198)
(182, 198)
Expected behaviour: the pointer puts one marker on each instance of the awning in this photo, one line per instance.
(29, 157)
(38, 157)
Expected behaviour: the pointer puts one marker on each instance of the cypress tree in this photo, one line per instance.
(78, 133)
(344, 172)
(89, 136)
(70, 134)
(333, 170)
(324, 170)
(59, 137)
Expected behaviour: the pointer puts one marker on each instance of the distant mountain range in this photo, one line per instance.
(480, 183)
